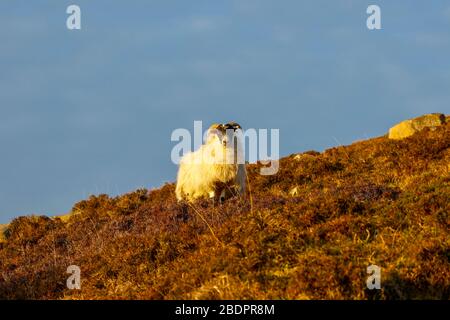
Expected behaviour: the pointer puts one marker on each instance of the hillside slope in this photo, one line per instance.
(309, 233)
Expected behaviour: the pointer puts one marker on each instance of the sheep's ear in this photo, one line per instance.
(218, 129)
(216, 126)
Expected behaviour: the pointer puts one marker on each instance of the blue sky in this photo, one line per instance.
(91, 111)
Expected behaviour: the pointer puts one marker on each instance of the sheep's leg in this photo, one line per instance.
(219, 188)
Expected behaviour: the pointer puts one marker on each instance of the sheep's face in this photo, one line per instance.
(224, 140)
(230, 131)
(223, 133)
(216, 134)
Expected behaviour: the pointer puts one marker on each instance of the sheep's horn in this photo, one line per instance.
(232, 125)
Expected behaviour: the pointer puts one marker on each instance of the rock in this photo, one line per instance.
(294, 192)
(306, 155)
(301, 156)
(409, 127)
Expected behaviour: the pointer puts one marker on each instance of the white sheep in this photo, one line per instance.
(216, 169)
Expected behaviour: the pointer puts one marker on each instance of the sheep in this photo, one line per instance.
(235, 152)
(213, 170)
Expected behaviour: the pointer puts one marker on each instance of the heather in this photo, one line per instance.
(307, 232)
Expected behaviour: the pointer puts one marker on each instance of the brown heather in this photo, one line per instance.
(378, 201)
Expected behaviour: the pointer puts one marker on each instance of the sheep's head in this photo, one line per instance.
(222, 133)
(215, 134)
(232, 125)
(233, 134)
